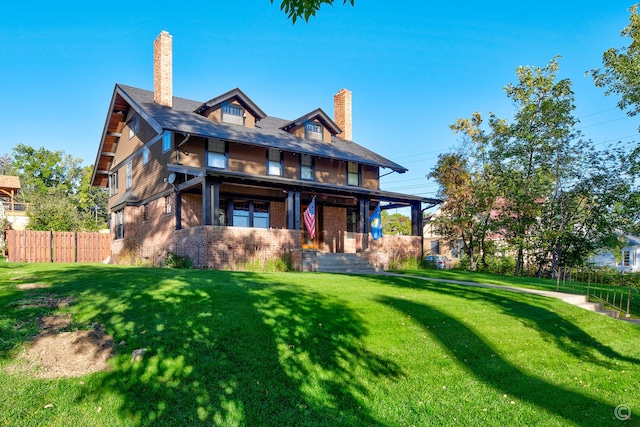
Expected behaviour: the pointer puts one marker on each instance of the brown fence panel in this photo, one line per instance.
(45, 246)
(29, 246)
(93, 247)
(64, 246)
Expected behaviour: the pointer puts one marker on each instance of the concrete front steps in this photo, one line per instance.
(583, 302)
(336, 263)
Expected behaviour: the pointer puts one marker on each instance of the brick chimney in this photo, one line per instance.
(342, 113)
(162, 64)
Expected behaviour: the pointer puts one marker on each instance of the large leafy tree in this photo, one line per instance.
(469, 193)
(58, 189)
(305, 9)
(533, 180)
(620, 74)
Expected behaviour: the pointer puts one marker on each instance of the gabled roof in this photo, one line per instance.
(10, 182)
(234, 94)
(182, 117)
(316, 114)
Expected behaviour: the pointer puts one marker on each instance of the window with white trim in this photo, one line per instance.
(113, 184)
(129, 174)
(274, 162)
(145, 156)
(626, 258)
(217, 154)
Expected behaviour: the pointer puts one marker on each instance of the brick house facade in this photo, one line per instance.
(224, 183)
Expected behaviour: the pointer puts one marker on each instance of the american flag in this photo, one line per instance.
(310, 218)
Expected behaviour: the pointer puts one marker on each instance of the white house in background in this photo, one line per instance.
(630, 261)
(630, 255)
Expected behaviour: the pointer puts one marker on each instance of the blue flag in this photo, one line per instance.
(375, 221)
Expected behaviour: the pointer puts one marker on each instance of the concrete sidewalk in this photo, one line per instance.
(578, 300)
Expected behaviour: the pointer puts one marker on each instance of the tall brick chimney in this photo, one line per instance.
(342, 113)
(162, 74)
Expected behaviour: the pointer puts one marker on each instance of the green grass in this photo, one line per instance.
(311, 349)
(578, 287)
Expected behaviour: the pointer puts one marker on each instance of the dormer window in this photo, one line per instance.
(233, 113)
(313, 130)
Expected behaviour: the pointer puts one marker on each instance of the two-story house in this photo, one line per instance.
(223, 182)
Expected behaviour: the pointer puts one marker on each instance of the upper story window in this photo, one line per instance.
(129, 175)
(313, 130)
(233, 113)
(145, 156)
(113, 184)
(306, 167)
(217, 154)
(353, 173)
(166, 142)
(134, 126)
(274, 162)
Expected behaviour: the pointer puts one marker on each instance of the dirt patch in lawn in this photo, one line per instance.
(58, 354)
(31, 286)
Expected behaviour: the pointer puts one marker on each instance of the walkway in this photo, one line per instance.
(574, 299)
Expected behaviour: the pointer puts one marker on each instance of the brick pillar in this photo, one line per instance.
(162, 65)
(342, 113)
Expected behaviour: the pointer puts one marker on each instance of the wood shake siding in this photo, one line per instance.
(331, 171)
(291, 166)
(370, 178)
(247, 159)
(193, 152)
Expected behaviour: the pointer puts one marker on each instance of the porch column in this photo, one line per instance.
(296, 210)
(215, 202)
(416, 219)
(178, 195)
(363, 216)
(207, 196)
(290, 210)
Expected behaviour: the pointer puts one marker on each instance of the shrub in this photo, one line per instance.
(173, 260)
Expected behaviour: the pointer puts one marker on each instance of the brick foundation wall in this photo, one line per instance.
(232, 247)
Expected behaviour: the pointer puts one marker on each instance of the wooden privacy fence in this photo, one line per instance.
(57, 246)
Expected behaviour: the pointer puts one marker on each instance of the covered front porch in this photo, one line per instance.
(206, 197)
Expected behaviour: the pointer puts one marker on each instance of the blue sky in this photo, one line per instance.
(413, 67)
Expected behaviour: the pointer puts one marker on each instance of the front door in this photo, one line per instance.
(307, 242)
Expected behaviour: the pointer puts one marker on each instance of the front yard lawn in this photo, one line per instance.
(307, 349)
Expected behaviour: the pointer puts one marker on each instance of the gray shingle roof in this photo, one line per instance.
(267, 133)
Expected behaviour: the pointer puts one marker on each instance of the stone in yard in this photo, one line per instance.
(138, 354)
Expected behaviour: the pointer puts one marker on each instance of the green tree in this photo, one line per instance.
(305, 9)
(468, 191)
(620, 74)
(395, 224)
(59, 191)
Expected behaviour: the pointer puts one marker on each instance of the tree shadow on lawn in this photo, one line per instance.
(225, 348)
(536, 313)
(473, 354)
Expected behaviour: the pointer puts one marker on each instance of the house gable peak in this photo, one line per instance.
(234, 107)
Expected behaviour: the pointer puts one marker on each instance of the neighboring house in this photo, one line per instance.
(630, 256)
(13, 211)
(222, 182)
